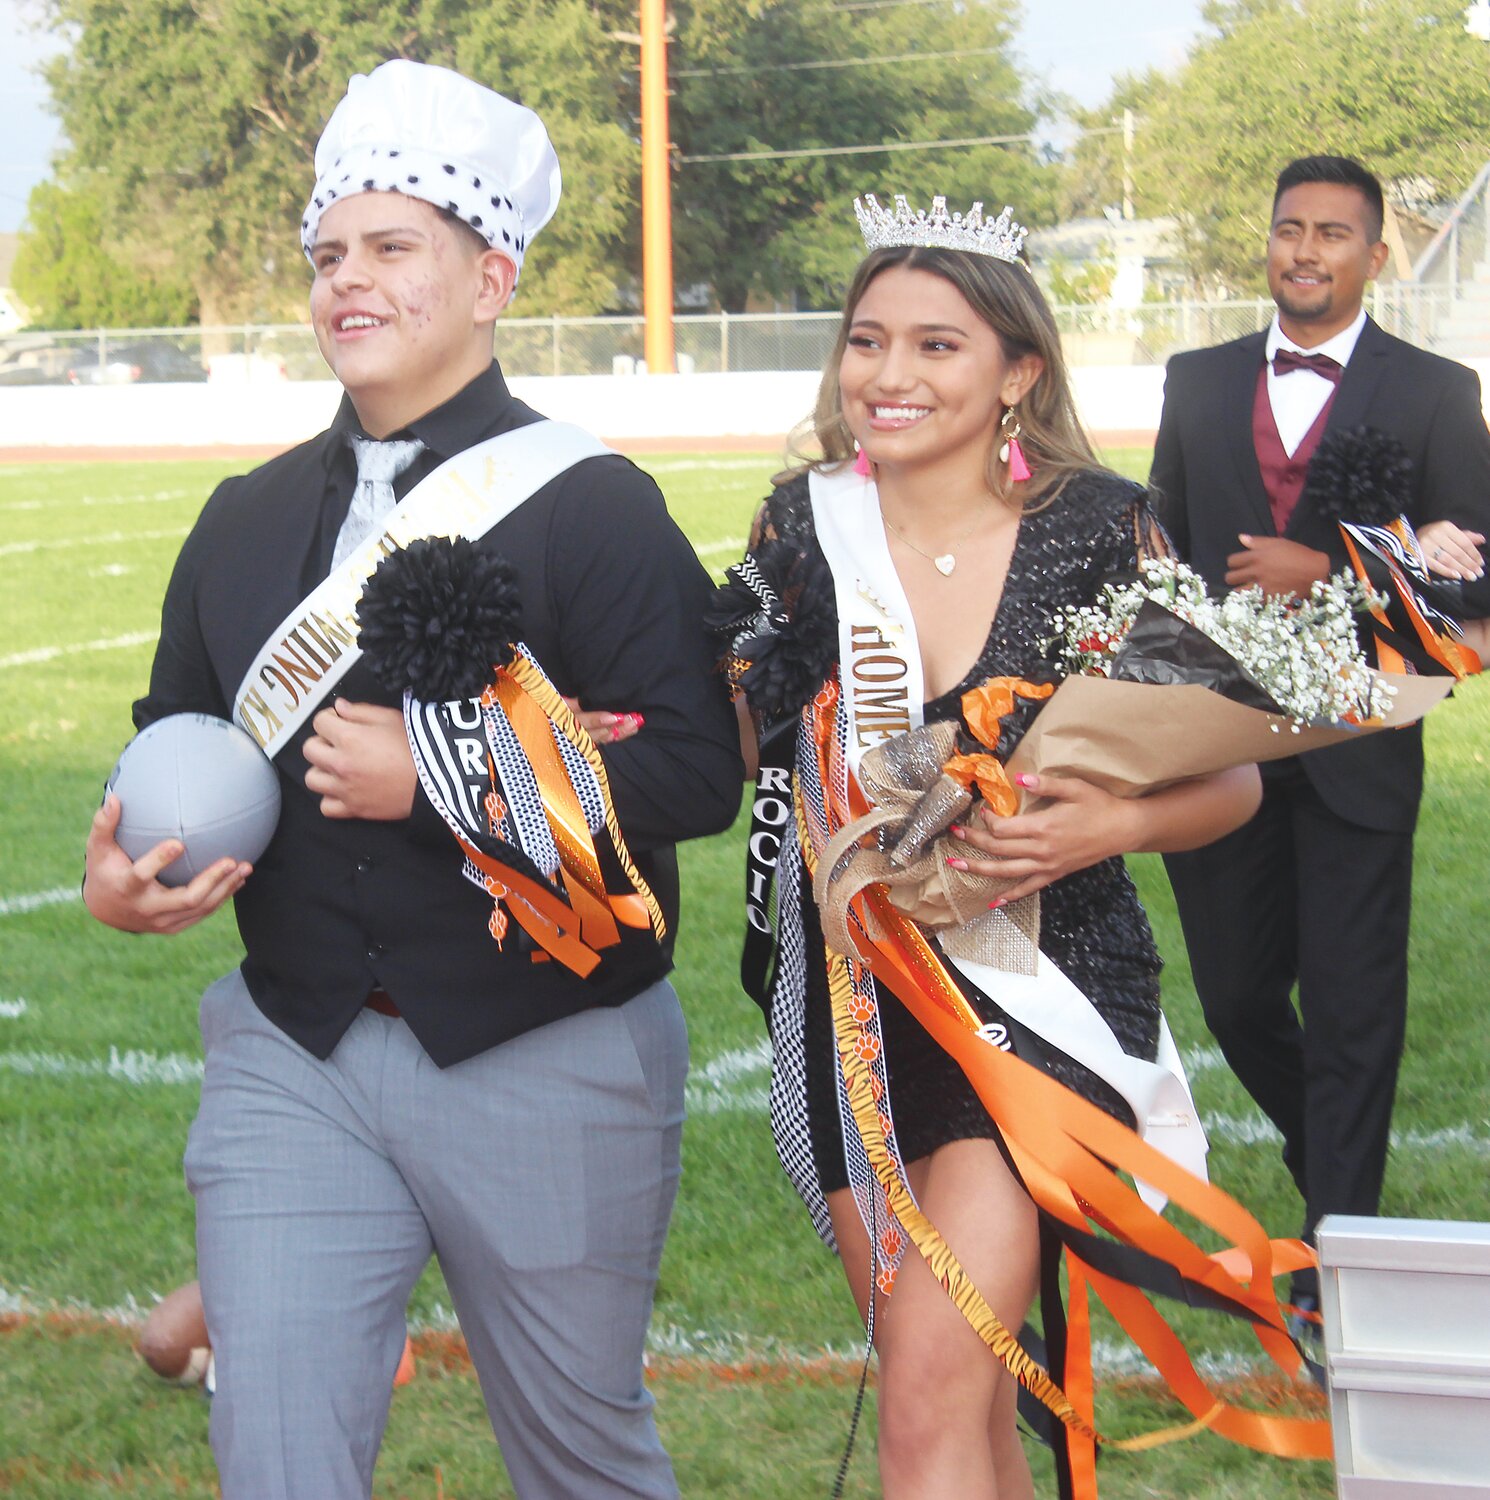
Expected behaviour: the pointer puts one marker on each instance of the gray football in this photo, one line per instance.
(201, 780)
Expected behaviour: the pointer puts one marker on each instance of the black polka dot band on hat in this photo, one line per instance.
(429, 133)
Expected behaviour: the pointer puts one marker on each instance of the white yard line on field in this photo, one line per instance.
(721, 1086)
(128, 1314)
(78, 648)
(684, 465)
(735, 1082)
(152, 499)
(12, 1010)
(1254, 1130)
(15, 906)
(137, 1068)
(11, 549)
(729, 544)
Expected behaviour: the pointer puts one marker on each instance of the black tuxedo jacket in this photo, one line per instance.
(1209, 489)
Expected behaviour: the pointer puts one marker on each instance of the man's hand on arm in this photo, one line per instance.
(360, 763)
(1277, 566)
(126, 894)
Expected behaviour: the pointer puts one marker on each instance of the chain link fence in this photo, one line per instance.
(706, 343)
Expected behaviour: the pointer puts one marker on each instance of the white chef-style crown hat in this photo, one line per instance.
(430, 133)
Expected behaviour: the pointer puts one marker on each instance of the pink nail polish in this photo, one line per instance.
(1023, 780)
(957, 864)
(994, 905)
(957, 831)
(637, 719)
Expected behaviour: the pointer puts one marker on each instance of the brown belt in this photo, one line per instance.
(382, 1002)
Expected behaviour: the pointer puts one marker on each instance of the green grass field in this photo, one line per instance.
(754, 1333)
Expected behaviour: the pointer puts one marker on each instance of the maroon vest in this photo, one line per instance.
(1282, 476)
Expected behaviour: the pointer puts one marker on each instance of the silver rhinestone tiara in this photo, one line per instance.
(1001, 238)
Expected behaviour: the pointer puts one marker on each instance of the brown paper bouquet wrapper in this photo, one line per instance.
(1134, 737)
(1129, 738)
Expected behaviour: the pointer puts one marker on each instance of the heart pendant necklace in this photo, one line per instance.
(944, 562)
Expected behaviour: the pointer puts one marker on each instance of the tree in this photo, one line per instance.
(1397, 83)
(65, 274)
(199, 121)
(780, 226)
(1091, 177)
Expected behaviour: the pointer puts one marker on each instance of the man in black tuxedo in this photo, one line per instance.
(1316, 889)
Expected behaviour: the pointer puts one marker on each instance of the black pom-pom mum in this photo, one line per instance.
(438, 617)
(1360, 475)
(790, 662)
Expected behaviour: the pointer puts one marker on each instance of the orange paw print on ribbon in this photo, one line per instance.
(886, 1280)
(867, 1047)
(824, 722)
(891, 1243)
(863, 1010)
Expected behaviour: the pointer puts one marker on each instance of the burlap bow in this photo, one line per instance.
(915, 803)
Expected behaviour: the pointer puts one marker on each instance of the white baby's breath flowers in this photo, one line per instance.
(1303, 652)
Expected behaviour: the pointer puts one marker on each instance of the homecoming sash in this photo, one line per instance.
(311, 649)
(882, 694)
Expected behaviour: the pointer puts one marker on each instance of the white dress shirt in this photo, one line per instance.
(1298, 397)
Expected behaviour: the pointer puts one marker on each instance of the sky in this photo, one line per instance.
(1076, 45)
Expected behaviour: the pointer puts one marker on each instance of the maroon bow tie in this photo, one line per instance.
(1290, 359)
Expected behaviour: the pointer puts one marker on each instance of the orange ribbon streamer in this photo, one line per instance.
(578, 863)
(1066, 1150)
(575, 931)
(641, 909)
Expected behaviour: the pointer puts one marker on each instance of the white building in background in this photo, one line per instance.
(1141, 256)
(12, 315)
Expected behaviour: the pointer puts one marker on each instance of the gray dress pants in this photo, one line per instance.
(541, 1173)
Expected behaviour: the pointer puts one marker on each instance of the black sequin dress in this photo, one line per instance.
(1092, 924)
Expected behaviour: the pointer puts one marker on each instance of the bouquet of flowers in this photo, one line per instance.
(1169, 682)
(1300, 658)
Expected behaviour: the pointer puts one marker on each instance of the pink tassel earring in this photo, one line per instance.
(861, 463)
(1009, 450)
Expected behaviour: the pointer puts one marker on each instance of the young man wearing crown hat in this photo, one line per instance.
(384, 1080)
(1315, 890)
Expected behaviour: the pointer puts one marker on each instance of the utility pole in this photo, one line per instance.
(657, 211)
(1127, 164)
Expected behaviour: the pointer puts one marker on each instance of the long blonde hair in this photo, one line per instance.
(1004, 295)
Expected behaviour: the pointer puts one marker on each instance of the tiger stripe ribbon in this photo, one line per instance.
(575, 918)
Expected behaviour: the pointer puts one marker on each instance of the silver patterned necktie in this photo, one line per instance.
(378, 465)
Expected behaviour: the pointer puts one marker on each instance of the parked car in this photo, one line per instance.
(26, 363)
(124, 364)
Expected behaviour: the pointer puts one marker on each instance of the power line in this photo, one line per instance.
(881, 4)
(974, 140)
(835, 62)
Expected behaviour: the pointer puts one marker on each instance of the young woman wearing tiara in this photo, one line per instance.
(881, 594)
